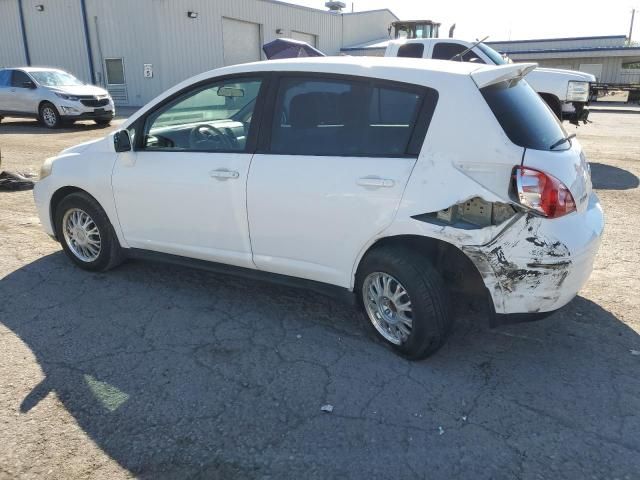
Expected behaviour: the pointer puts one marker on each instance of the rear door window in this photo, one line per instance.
(5, 76)
(346, 117)
(523, 115)
(411, 50)
(19, 79)
(447, 51)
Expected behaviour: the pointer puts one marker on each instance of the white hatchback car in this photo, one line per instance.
(405, 182)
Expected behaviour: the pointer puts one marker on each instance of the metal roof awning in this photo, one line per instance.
(629, 52)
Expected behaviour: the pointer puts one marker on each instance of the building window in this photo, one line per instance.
(115, 71)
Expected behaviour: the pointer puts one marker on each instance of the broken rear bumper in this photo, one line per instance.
(538, 264)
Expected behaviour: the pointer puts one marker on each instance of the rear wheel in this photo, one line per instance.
(49, 115)
(86, 234)
(405, 301)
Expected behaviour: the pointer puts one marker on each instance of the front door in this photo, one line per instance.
(182, 190)
(332, 172)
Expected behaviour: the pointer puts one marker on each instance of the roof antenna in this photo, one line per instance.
(464, 52)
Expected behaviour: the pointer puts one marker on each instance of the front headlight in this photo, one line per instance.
(72, 98)
(577, 91)
(45, 170)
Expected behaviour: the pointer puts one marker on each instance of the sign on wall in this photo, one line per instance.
(148, 70)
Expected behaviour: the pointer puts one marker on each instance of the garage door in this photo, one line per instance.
(305, 37)
(241, 41)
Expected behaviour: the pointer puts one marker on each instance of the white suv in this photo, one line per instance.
(55, 97)
(345, 174)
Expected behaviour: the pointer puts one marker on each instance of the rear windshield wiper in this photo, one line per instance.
(561, 141)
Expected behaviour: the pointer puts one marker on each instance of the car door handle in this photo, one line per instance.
(224, 174)
(375, 182)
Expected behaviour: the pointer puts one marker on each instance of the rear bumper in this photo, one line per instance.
(537, 264)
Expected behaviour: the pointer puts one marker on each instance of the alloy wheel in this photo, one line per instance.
(388, 306)
(81, 235)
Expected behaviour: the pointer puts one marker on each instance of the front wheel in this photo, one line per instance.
(49, 115)
(405, 301)
(86, 235)
(103, 122)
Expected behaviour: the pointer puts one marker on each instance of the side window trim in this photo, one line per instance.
(422, 118)
(258, 112)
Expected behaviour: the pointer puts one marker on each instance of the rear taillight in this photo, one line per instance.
(542, 193)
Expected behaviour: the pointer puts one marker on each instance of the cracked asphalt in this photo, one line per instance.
(158, 371)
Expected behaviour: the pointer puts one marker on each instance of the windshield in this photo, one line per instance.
(492, 54)
(524, 116)
(52, 78)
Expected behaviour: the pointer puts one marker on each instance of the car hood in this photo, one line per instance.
(580, 76)
(79, 90)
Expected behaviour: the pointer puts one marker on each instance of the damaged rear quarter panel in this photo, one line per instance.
(524, 267)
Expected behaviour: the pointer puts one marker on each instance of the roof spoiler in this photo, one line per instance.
(490, 75)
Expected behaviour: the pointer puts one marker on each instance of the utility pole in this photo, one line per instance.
(633, 14)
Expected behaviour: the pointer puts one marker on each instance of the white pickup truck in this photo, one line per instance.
(565, 91)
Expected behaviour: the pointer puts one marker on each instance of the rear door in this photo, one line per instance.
(5, 89)
(331, 170)
(21, 97)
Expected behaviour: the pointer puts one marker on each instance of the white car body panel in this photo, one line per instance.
(313, 224)
(87, 167)
(312, 217)
(204, 217)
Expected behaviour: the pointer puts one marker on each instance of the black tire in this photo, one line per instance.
(103, 122)
(431, 322)
(554, 104)
(49, 115)
(110, 254)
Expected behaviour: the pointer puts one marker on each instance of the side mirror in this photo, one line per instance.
(121, 141)
(29, 85)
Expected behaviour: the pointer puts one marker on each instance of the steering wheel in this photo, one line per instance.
(205, 137)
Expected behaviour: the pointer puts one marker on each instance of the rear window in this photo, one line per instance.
(524, 116)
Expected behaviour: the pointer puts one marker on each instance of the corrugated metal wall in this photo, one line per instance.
(159, 32)
(357, 30)
(11, 47)
(128, 30)
(55, 35)
(611, 66)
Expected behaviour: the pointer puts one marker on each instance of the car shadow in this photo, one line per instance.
(177, 373)
(608, 177)
(17, 127)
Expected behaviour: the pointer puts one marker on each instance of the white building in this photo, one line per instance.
(605, 57)
(139, 48)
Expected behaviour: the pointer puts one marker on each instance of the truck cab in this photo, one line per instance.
(565, 91)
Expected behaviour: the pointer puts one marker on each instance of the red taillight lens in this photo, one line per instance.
(542, 192)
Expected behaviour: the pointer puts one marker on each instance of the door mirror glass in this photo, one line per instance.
(30, 85)
(121, 141)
